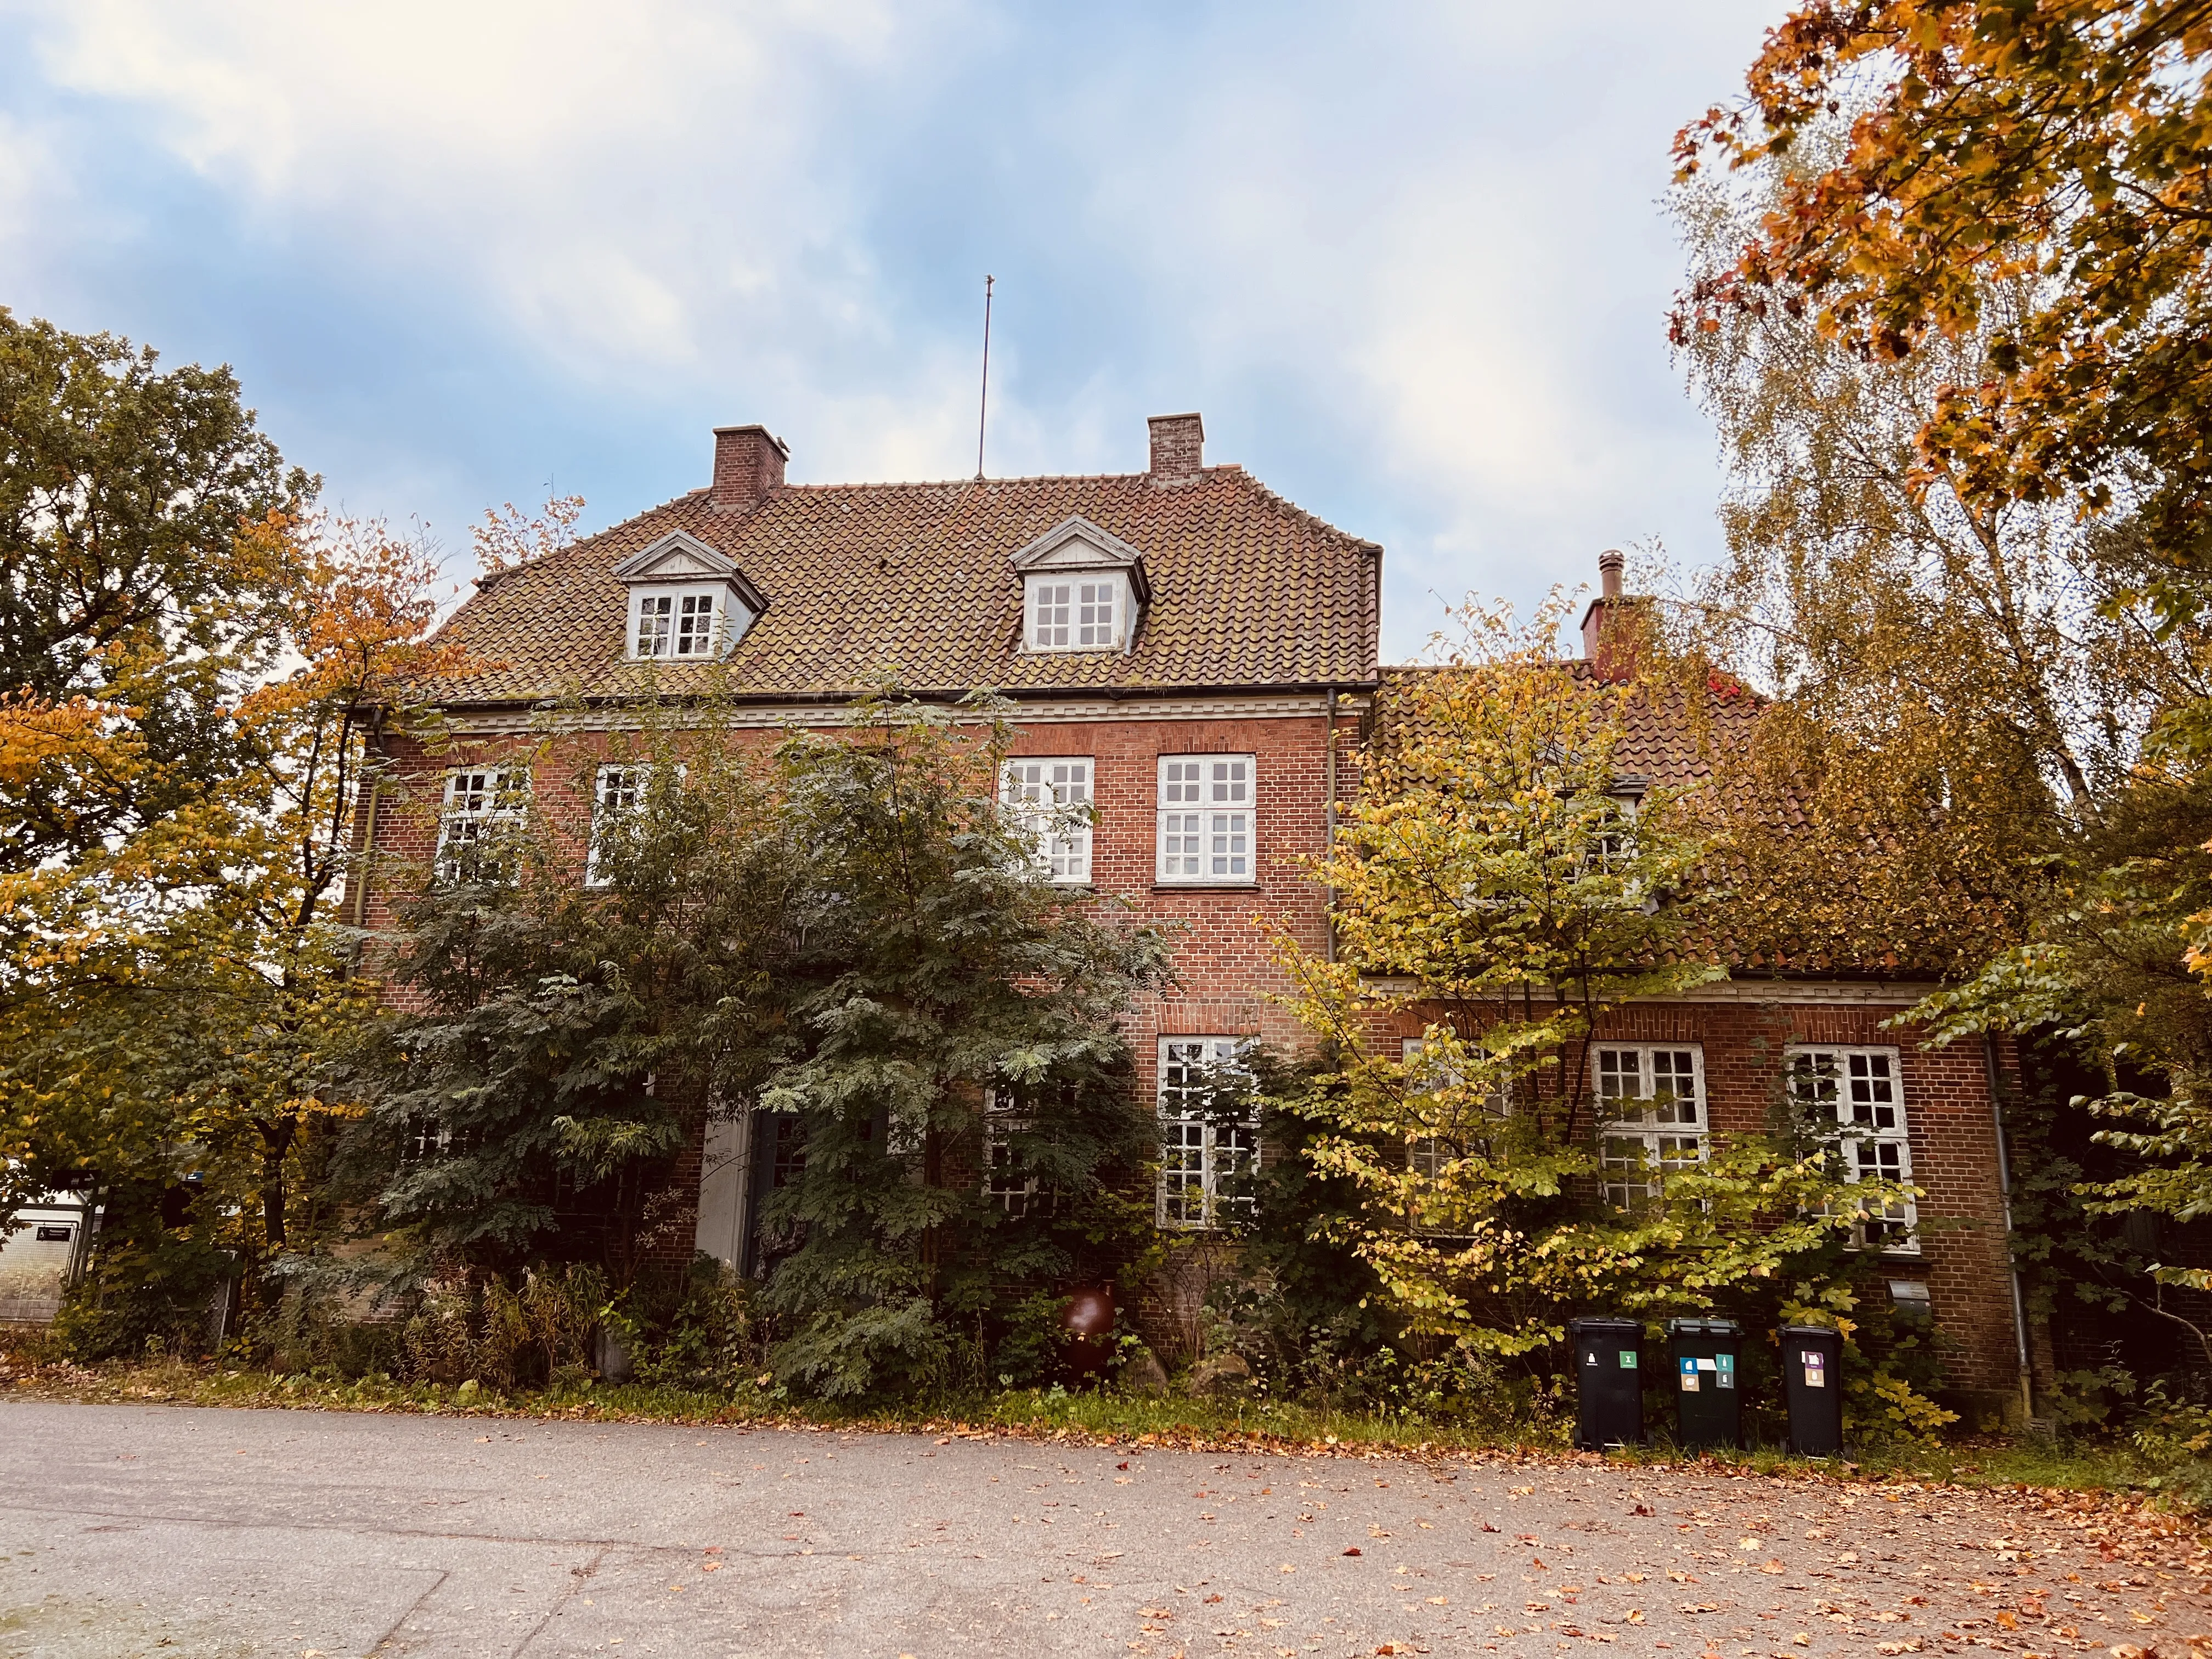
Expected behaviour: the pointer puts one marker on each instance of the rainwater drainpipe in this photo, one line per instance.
(367, 852)
(2004, 1188)
(1330, 944)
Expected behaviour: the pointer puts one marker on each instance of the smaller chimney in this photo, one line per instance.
(1605, 614)
(748, 467)
(1178, 447)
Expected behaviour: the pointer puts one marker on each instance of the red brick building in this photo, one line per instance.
(1194, 658)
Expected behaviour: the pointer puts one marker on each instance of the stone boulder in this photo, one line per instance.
(1143, 1374)
(1220, 1376)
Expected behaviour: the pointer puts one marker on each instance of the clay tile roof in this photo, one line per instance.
(1665, 739)
(1247, 591)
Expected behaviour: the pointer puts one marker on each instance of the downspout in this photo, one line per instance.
(1329, 945)
(368, 853)
(2011, 1261)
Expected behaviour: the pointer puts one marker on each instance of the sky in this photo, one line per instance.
(1410, 261)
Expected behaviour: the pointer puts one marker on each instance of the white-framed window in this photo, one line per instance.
(480, 804)
(428, 1138)
(1206, 1163)
(1862, 1091)
(683, 624)
(1004, 1182)
(1206, 820)
(1612, 847)
(1428, 1155)
(617, 791)
(1651, 1117)
(1051, 794)
(1079, 610)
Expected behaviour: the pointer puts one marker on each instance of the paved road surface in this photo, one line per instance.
(164, 1531)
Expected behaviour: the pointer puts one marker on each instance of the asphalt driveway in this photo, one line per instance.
(167, 1531)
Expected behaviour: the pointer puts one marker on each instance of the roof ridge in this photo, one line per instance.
(1275, 498)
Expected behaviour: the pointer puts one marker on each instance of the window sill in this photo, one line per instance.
(1206, 887)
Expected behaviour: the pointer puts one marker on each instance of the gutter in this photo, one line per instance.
(940, 694)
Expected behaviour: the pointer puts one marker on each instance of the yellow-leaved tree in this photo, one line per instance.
(1494, 879)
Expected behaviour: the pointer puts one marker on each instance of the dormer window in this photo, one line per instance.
(1082, 589)
(685, 623)
(688, 603)
(1076, 615)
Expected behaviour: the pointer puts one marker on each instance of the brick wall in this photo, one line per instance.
(1962, 1254)
(1225, 955)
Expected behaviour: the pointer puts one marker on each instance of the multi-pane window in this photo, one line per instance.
(678, 625)
(1859, 1089)
(1005, 1181)
(1094, 613)
(480, 804)
(1050, 604)
(426, 1138)
(1208, 1152)
(1075, 614)
(1651, 1118)
(616, 793)
(1428, 1155)
(1613, 846)
(1052, 797)
(1206, 819)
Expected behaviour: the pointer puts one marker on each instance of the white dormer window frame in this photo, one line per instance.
(688, 602)
(686, 621)
(1076, 611)
(1084, 589)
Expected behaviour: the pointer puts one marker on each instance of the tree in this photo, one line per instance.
(1985, 731)
(133, 615)
(1959, 682)
(1490, 877)
(169, 994)
(2054, 153)
(849, 936)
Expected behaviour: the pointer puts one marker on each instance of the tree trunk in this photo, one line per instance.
(276, 1139)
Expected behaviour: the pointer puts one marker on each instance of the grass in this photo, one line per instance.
(1098, 1418)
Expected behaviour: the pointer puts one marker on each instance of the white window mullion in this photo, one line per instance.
(1202, 1160)
(690, 623)
(480, 802)
(1862, 1091)
(617, 791)
(1207, 830)
(1052, 797)
(1651, 1117)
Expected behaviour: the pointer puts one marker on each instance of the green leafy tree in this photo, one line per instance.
(960, 1021)
(134, 615)
(849, 935)
(1985, 735)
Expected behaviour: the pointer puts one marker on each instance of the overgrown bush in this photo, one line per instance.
(849, 935)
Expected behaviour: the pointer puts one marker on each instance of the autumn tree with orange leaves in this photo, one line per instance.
(188, 649)
(1950, 294)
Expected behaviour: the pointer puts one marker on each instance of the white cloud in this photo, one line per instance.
(1418, 241)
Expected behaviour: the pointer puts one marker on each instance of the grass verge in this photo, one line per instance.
(1106, 1419)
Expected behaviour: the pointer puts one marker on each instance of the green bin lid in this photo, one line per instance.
(1704, 1327)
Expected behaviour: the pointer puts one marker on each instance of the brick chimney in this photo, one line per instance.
(1606, 613)
(748, 467)
(1178, 447)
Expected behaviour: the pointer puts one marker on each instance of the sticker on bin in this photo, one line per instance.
(1628, 1360)
(1690, 1375)
(1727, 1377)
(1816, 1367)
